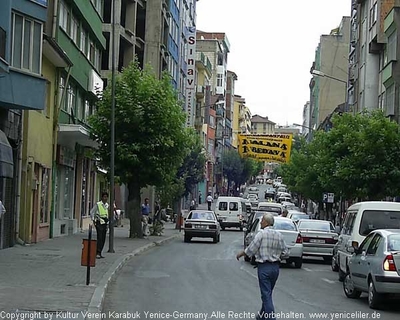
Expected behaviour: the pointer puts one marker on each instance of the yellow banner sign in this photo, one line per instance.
(266, 147)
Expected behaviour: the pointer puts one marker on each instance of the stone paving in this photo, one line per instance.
(47, 276)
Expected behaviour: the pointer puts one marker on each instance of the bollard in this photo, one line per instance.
(88, 257)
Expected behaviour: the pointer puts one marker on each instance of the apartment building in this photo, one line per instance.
(241, 120)
(262, 125)
(22, 88)
(331, 59)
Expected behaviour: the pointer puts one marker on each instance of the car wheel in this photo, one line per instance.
(348, 288)
(187, 239)
(374, 298)
(334, 265)
(246, 258)
(298, 263)
(215, 238)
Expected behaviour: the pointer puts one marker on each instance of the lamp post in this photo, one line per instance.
(324, 75)
(310, 130)
(112, 143)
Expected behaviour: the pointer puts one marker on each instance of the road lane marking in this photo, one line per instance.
(329, 281)
(314, 270)
(248, 272)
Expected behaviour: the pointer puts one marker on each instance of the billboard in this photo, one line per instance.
(266, 147)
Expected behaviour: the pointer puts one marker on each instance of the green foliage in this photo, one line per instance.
(149, 134)
(358, 158)
(150, 138)
(232, 165)
(189, 173)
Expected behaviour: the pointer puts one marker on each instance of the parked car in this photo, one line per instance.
(360, 220)
(290, 234)
(319, 238)
(202, 224)
(374, 267)
(334, 262)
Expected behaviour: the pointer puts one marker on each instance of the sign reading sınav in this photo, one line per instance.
(266, 147)
(191, 76)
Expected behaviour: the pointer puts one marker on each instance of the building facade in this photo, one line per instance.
(261, 125)
(22, 88)
(330, 60)
(241, 121)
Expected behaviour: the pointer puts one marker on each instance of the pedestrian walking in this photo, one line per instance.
(268, 247)
(192, 205)
(200, 196)
(157, 211)
(145, 216)
(99, 215)
(209, 201)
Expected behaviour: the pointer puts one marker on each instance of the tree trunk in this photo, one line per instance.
(134, 210)
(177, 208)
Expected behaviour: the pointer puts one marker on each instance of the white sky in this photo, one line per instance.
(273, 46)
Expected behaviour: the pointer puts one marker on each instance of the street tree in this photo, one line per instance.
(357, 158)
(232, 166)
(149, 137)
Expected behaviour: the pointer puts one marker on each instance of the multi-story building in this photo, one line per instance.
(22, 88)
(215, 47)
(329, 90)
(77, 28)
(230, 101)
(241, 121)
(306, 125)
(261, 125)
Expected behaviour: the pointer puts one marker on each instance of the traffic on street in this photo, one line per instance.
(202, 279)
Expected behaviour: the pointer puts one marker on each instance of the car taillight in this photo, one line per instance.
(188, 225)
(213, 226)
(299, 239)
(306, 239)
(388, 263)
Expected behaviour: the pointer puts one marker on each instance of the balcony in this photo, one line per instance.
(200, 91)
(203, 63)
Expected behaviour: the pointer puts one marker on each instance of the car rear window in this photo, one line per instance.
(201, 216)
(223, 206)
(393, 242)
(317, 226)
(284, 225)
(270, 209)
(300, 216)
(379, 219)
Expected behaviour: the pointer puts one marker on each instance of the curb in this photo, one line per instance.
(97, 300)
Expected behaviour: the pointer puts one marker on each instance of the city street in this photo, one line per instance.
(202, 277)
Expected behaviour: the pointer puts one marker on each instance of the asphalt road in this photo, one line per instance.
(200, 278)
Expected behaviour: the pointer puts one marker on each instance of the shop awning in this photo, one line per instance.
(6, 157)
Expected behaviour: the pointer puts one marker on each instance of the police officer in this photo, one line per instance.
(99, 215)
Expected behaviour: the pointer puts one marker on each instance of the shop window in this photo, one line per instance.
(44, 196)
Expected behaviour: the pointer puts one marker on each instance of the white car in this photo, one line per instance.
(290, 234)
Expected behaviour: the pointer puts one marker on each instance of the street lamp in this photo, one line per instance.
(324, 75)
(300, 125)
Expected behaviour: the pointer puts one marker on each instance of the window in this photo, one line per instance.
(44, 196)
(97, 58)
(219, 80)
(47, 106)
(87, 110)
(91, 52)
(349, 222)
(63, 18)
(393, 243)
(374, 244)
(97, 5)
(284, 225)
(391, 47)
(71, 99)
(364, 245)
(74, 29)
(377, 219)
(373, 14)
(62, 89)
(26, 49)
(233, 206)
(389, 100)
(2, 43)
(83, 45)
(223, 206)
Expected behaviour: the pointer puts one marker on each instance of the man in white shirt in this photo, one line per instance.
(209, 201)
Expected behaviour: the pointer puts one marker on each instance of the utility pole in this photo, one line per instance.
(112, 144)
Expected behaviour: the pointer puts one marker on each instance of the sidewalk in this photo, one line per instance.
(47, 276)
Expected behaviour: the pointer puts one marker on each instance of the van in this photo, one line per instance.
(360, 220)
(229, 211)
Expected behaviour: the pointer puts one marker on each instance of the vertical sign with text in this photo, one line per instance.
(191, 77)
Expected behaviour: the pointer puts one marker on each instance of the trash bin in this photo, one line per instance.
(86, 255)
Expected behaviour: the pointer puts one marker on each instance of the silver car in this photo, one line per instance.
(374, 267)
(319, 238)
(202, 224)
(290, 234)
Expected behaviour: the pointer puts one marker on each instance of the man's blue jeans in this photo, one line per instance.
(267, 275)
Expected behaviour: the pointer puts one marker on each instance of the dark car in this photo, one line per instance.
(202, 224)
